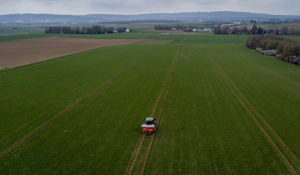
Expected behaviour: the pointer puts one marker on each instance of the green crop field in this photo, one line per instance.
(221, 109)
(20, 29)
(5, 38)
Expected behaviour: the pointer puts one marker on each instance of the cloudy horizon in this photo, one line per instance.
(81, 7)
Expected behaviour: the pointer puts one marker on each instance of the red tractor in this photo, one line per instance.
(149, 126)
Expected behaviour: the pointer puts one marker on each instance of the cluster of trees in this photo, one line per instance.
(161, 27)
(184, 28)
(241, 30)
(122, 29)
(83, 30)
(255, 30)
(283, 45)
(289, 31)
(281, 22)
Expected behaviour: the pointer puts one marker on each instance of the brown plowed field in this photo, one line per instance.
(18, 53)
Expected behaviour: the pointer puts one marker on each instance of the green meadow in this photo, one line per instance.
(227, 109)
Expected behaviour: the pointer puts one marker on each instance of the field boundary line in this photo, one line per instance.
(52, 48)
(282, 77)
(38, 130)
(43, 84)
(233, 90)
(51, 62)
(137, 150)
(28, 38)
(266, 69)
(158, 117)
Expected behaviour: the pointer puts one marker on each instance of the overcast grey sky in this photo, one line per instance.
(284, 7)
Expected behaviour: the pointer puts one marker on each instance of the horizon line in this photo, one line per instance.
(261, 13)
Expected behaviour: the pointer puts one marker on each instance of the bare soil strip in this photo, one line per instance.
(136, 152)
(232, 86)
(23, 52)
(44, 126)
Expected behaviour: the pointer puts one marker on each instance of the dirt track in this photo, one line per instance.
(23, 52)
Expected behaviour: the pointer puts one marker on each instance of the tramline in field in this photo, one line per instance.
(228, 110)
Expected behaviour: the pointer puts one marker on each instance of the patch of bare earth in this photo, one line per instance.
(19, 53)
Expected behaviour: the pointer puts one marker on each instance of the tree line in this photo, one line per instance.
(284, 46)
(255, 30)
(83, 30)
(185, 28)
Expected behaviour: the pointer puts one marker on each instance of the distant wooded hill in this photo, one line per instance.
(102, 18)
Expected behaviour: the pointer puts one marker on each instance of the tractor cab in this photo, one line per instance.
(149, 126)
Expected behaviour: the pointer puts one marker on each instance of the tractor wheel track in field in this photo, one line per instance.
(158, 118)
(43, 84)
(296, 159)
(276, 74)
(38, 86)
(270, 71)
(44, 126)
(244, 101)
(162, 90)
